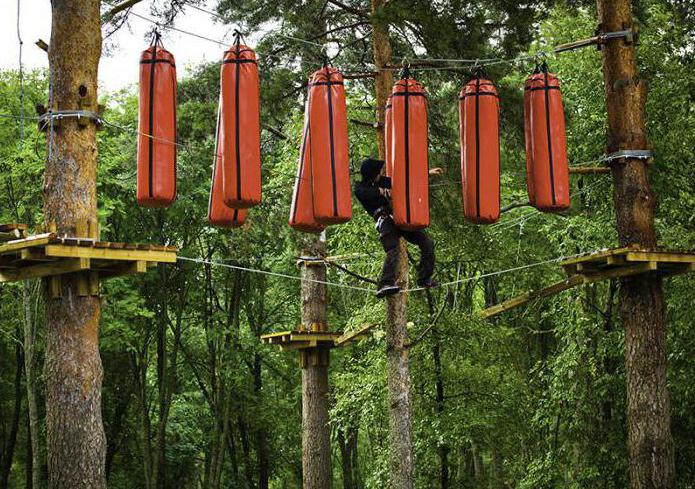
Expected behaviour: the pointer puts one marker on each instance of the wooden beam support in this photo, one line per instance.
(65, 251)
(46, 269)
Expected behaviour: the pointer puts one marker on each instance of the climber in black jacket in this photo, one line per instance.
(374, 193)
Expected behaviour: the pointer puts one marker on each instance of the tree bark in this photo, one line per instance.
(73, 370)
(400, 424)
(316, 432)
(642, 305)
(11, 442)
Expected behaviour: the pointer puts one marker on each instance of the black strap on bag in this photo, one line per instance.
(405, 75)
(150, 163)
(330, 133)
(236, 116)
(546, 86)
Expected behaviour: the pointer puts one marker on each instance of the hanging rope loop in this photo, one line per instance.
(405, 68)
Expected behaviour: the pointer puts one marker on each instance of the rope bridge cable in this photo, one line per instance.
(270, 273)
(371, 290)
(468, 63)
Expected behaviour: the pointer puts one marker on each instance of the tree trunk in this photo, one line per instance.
(316, 432)
(642, 306)
(73, 370)
(30, 379)
(347, 442)
(11, 443)
(400, 442)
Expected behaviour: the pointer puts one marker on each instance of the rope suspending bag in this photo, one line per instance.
(240, 123)
(302, 208)
(156, 175)
(219, 214)
(549, 174)
(410, 184)
(479, 109)
(330, 163)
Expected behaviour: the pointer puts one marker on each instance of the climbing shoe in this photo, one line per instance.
(386, 290)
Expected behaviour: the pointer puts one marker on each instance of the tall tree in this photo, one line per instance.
(642, 305)
(400, 410)
(316, 431)
(73, 370)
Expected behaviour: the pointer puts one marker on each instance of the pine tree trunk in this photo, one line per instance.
(316, 432)
(642, 306)
(400, 442)
(73, 370)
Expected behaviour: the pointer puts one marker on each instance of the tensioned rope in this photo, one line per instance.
(468, 63)
(365, 289)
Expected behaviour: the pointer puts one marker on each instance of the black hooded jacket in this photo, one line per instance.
(367, 192)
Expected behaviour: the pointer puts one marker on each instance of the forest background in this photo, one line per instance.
(532, 399)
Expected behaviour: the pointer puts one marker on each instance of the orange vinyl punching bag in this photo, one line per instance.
(330, 164)
(527, 138)
(241, 150)
(409, 180)
(302, 209)
(548, 143)
(388, 136)
(218, 212)
(479, 109)
(156, 186)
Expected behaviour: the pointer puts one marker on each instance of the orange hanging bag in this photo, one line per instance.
(410, 178)
(479, 108)
(241, 151)
(156, 178)
(302, 209)
(330, 164)
(219, 213)
(550, 171)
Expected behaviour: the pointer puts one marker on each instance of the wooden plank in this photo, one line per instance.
(620, 272)
(661, 256)
(46, 269)
(34, 254)
(94, 284)
(109, 254)
(11, 235)
(121, 269)
(599, 254)
(556, 288)
(354, 336)
(55, 287)
(19, 244)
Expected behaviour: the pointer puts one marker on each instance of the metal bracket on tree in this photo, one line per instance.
(629, 34)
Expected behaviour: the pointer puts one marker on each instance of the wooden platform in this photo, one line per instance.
(605, 265)
(48, 255)
(299, 339)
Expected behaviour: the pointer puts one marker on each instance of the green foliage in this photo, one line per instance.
(532, 399)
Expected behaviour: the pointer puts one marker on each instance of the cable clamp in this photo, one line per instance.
(57, 115)
(635, 154)
(310, 261)
(601, 38)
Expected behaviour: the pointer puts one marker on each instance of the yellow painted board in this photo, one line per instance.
(121, 269)
(19, 244)
(599, 254)
(620, 272)
(109, 254)
(663, 257)
(46, 269)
